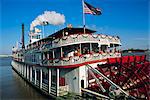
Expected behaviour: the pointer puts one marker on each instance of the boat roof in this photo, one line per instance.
(71, 31)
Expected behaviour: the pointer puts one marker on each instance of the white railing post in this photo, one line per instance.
(57, 93)
(27, 71)
(49, 80)
(35, 76)
(40, 78)
(21, 69)
(61, 51)
(24, 70)
(30, 73)
(90, 47)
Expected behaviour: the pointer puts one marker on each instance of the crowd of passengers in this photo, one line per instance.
(71, 51)
(76, 52)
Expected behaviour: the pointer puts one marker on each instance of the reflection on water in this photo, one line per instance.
(12, 86)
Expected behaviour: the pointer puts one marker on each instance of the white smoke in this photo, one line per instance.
(48, 16)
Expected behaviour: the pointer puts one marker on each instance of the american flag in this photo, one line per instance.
(88, 9)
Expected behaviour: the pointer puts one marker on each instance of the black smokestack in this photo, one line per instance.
(23, 46)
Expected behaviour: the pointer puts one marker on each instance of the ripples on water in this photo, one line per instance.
(13, 87)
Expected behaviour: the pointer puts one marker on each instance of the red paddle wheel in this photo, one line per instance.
(124, 77)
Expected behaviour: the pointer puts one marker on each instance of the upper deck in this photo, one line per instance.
(70, 36)
(68, 45)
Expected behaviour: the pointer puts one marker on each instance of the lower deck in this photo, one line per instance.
(54, 81)
(46, 79)
(127, 75)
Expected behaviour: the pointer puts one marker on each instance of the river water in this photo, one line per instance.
(13, 87)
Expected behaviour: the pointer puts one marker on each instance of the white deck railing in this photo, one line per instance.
(80, 59)
(83, 38)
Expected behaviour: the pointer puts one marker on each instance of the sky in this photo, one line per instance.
(128, 19)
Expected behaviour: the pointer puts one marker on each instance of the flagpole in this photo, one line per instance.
(83, 16)
(43, 30)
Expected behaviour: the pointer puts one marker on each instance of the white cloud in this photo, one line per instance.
(51, 17)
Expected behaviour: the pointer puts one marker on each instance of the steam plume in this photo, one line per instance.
(51, 17)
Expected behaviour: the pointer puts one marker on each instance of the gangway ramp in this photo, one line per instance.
(95, 94)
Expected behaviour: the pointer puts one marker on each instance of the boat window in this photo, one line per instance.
(82, 83)
(35, 37)
(44, 55)
(116, 45)
(104, 48)
(111, 45)
(95, 48)
(66, 33)
(54, 77)
(50, 54)
(48, 46)
(71, 50)
(66, 50)
(57, 53)
(33, 57)
(111, 48)
(38, 36)
(38, 74)
(85, 48)
(33, 74)
(45, 76)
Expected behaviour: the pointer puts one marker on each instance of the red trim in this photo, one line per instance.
(67, 66)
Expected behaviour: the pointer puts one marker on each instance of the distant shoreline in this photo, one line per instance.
(134, 50)
(5, 55)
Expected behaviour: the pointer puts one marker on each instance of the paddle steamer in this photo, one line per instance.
(80, 61)
(73, 61)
